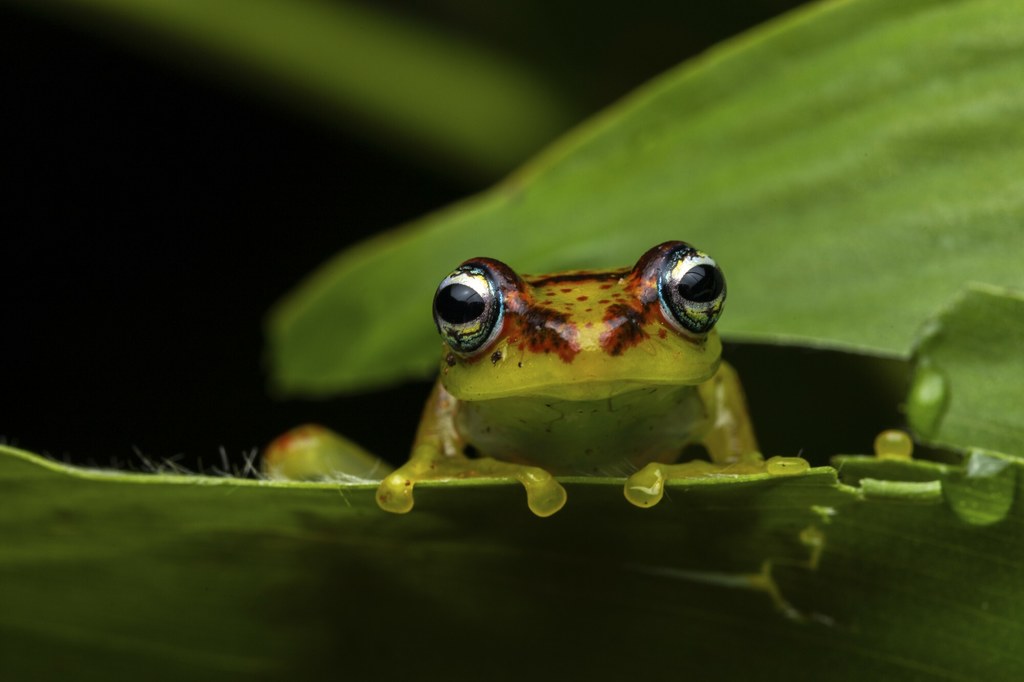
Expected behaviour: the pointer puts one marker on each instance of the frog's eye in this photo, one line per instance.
(468, 309)
(692, 289)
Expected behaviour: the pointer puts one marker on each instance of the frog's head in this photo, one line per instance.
(580, 335)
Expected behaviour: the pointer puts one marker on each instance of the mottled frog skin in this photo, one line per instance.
(610, 372)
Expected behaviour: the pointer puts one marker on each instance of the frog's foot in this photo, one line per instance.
(313, 453)
(646, 487)
(544, 495)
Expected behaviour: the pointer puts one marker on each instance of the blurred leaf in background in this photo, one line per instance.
(469, 88)
(427, 92)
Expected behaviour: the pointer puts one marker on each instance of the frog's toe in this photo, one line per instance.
(646, 487)
(394, 494)
(544, 495)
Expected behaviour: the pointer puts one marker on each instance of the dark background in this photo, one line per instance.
(152, 214)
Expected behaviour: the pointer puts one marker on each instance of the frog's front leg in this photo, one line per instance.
(729, 440)
(437, 453)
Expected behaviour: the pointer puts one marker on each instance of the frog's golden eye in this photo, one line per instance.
(692, 289)
(468, 308)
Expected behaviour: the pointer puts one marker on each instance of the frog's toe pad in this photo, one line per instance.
(646, 487)
(544, 495)
(394, 494)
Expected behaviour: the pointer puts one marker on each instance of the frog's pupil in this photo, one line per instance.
(701, 283)
(459, 304)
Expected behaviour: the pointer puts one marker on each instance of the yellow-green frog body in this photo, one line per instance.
(580, 373)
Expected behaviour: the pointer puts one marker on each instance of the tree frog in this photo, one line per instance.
(607, 372)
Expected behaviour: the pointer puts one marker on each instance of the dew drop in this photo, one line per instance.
(983, 492)
(893, 444)
(928, 398)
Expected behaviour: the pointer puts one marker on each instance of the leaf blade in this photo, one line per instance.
(898, 139)
(969, 373)
(176, 575)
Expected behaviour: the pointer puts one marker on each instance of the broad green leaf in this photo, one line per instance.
(462, 103)
(968, 387)
(850, 166)
(127, 576)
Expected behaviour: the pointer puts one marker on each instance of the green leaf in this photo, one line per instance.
(969, 373)
(123, 576)
(430, 92)
(850, 166)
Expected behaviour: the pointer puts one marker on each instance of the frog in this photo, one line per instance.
(582, 373)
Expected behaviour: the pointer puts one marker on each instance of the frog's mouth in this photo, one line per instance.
(578, 388)
(592, 390)
(510, 371)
